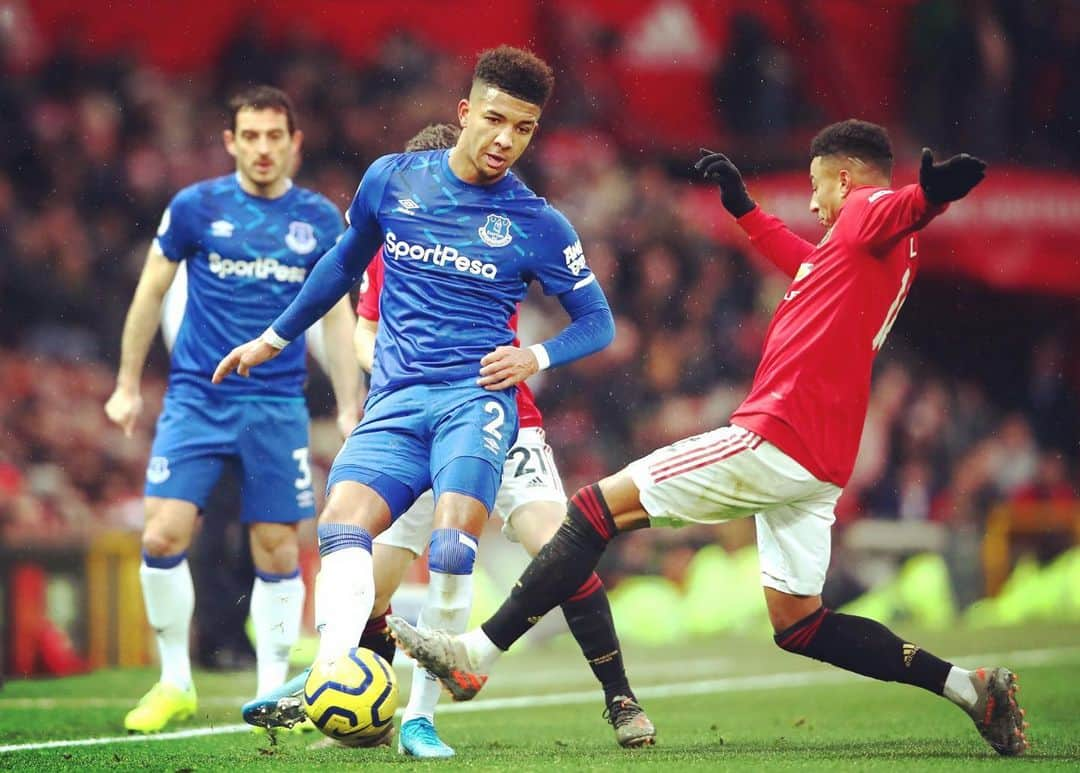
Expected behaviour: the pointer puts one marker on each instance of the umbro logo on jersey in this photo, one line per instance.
(301, 237)
(407, 206)
(222, 228)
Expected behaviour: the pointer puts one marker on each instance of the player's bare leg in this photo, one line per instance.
(858, 644)
(169, 596)
(594, 515)
(588, 615)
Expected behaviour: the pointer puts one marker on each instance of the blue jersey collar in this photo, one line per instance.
(289, 187)
(507, 181)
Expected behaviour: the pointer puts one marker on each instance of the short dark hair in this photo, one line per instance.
(263, 97)
(517, 72)
(436, 136)
(863, 140)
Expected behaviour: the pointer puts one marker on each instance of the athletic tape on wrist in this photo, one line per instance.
(272, 338)
(541, 355)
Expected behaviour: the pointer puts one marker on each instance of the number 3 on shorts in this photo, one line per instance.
(492, 434)
(304, 465)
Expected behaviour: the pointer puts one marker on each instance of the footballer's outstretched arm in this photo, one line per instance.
(591, 328)
(140, 325)
(889, 215)
(333, 276)
(769, 234)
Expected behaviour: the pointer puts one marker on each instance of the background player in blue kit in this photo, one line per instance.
(249, 240)
(462, 238)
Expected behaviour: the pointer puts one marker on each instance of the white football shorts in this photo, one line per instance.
(529, 475)
(733, 473)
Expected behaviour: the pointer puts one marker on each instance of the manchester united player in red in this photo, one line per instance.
(791, 445)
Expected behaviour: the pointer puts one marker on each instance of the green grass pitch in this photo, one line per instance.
(736, 703)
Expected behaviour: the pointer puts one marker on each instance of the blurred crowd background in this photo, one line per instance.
(975, 400)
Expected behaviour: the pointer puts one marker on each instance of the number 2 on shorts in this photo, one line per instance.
(492, 433)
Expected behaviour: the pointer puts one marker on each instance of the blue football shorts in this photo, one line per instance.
(265, 438)
(446, 437)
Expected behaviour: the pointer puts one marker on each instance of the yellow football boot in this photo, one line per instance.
(163, 704)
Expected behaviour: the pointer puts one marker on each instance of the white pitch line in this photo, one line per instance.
(194, 732)
(675, 690)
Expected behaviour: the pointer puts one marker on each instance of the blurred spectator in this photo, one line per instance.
(755, 88)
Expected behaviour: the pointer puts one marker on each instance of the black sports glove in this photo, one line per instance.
(950, 180)
(718, 168)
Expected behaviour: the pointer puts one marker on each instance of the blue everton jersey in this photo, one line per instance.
(247, 258)
(457, 259)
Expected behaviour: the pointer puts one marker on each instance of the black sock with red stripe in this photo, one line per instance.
(560, 568)
(376, 637)
(589, 616)
(866, 647)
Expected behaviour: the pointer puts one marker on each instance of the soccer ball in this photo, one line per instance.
(353, 698)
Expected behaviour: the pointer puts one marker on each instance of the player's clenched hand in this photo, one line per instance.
(506, 366)
(123, 408)
(718, 168)
(243, 358)
(950, 180)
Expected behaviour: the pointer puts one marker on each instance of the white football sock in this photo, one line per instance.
(482, 651)
(447, 607)
(276, 608)
(959, 689)
(169, 596)
(344, 596)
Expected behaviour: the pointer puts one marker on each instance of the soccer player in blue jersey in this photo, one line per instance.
(462, 237)
(531, 503)
(248, 241)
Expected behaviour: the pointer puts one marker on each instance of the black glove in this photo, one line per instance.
(718, 168)
(950, 180)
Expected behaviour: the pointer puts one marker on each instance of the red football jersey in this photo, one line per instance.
(812, 386)
(368, 308)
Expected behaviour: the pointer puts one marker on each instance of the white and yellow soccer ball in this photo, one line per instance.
(352, 698)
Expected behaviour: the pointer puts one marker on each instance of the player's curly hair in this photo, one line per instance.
(263, 97)
(863, 140)
(434, 136)
(517, 72)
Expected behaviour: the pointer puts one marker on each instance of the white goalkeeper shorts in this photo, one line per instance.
(529, 475)
(733, 473)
